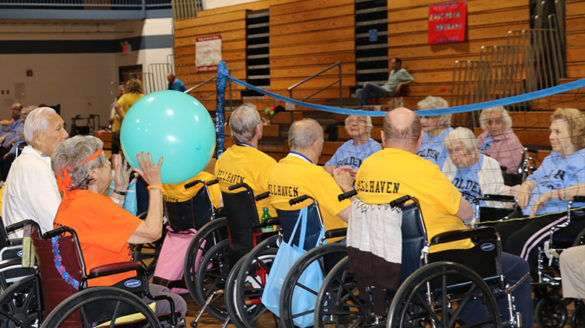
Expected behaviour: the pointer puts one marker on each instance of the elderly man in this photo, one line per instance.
(175, 83)
(12, 130)
(442, 204)
(352, 153)
(298, 174)
(31, 189)
(397, 79)
(15, 144)
(243, 162)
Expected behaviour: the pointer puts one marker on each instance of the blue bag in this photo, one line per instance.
(312, 277)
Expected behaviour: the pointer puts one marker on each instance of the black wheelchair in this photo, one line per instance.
(244, 233)
(436, 289)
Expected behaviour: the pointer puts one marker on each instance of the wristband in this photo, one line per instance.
(559, 194)
(123, 193)
(155, 187)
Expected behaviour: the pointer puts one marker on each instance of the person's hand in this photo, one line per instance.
(523, 195)
(6, 155)
(541, 201)
(149, 171)
(343, 179)
(121, 172)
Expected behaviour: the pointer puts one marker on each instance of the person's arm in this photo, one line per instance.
(465, 211)
(151, 228)
(523, 195)
(343, 179)
(565, 194)
(118, 109)
(344, 214)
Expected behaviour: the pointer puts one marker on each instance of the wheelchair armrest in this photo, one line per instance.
(114, 268)
(455, 235)
(268, 223)
(262, 196)
(341, 232)
(579, 199)
(497, 198)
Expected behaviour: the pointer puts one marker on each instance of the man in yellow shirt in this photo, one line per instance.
(243, 162)
(396, 171)
(298, 174)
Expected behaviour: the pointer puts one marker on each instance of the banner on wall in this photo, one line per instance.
(447, 22)
(207, 53)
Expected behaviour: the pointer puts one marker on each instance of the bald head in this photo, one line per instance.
(304, 133)
(402, 126)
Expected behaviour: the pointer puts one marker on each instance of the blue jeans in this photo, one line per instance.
(371, 90)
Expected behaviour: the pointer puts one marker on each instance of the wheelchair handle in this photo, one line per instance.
(262, 196)
(239, 185)
(59, 231)
(298, 199)
(193, 184)
(339, 232)
(400, 201)
(497, 198)
(579, 199)
(21, 224)
(347, 195)
(212, 182)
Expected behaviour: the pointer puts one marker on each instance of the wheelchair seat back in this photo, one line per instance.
(414, 239)
(242, 217)
(288, 219)
(61, 268)
(190, 214)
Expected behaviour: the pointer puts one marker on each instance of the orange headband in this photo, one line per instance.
(64, 179)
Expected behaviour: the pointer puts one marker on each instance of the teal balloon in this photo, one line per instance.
(173, 125)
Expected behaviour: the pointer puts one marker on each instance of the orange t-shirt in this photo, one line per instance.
(103, 229)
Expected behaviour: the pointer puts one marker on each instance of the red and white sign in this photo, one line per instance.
(447, 22)
(207, 53)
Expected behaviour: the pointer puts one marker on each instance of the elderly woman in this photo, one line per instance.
(105, 229)
(548, 190)
(435, 130)
(498, 140)
(352, 153)
(472, 173)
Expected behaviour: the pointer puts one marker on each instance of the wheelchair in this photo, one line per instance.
(68, 302)
(436, 289)
(244, 303)
(11, 269)
(527, 166)
(244, 234)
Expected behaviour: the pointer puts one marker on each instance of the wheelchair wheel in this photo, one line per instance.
(99, 305)
(326, 256)
(578, 317)
(208, 236)
(230, 294)
(551, 313)
(250, 282)
(20, 304)
(211, 278)
(444, 294)
(338, 303)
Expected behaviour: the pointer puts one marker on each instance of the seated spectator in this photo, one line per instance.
(14, 107)
(398, 78)
(12, 130)
(443, 206)
(14, 144)
(472, 173)
(435, 130)
(547, 191)
(31, 189)
(175, 83)
(298, 174)
(104, 229)
(498, 141)
(353, 152)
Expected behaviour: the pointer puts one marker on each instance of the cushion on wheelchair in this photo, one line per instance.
(190, 214)
(288, 219)
(114, 268)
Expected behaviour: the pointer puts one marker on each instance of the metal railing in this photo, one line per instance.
(184, 9)
(338, 64)
(209, 80)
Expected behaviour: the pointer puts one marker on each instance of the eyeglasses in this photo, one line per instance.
(358, 121)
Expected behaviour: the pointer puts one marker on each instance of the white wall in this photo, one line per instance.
(210, 4)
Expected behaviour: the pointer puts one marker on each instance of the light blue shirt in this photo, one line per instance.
(556, 173)
(353, 156)
(433, 148)
(467, 182)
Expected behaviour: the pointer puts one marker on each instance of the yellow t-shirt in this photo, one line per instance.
(293, 177)
(126, 101)
(177, 193)
(391, 173)
(241, 163)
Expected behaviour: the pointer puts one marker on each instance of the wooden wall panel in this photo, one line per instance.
(575, 25)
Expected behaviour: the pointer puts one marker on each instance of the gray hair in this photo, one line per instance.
(303, 134)
(36, 121)
(499, 109)
(369, 124)
(28, 109)
(76, 150)
(431, 102)
(243, 122)
(463, 135)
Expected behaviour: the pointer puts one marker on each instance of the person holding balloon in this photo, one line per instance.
(105, 229)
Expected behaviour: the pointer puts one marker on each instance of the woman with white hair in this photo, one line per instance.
(352, 153)
(472, 173)
(435, 130)
(498, 140)
(104, 228)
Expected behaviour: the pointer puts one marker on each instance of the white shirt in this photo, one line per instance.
(31, 191)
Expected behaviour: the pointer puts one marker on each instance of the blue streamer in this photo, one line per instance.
(431, 112)
(222, 75)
